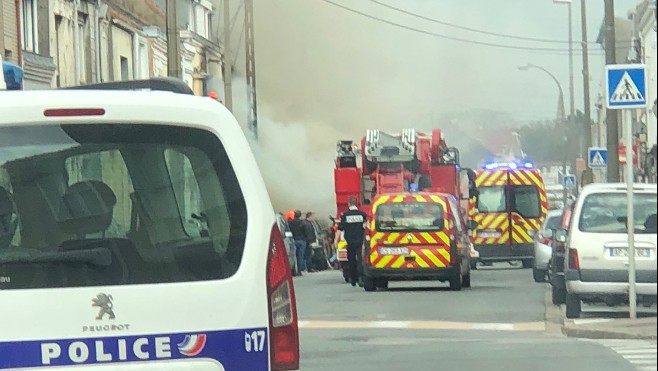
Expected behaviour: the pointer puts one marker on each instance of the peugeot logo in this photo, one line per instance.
(104, 302)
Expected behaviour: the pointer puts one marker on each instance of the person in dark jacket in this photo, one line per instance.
(311, 238)
(298, 229)
(352, 224)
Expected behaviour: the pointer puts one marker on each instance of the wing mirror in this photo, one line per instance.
(472, 225)
(548, 233)
(560, 236)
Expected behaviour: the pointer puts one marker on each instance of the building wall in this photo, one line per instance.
(11, 46)
(122, 54)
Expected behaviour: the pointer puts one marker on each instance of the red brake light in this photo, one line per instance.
(284, 331)
(573, 259)
(70, 112)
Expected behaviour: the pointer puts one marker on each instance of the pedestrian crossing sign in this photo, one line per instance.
(597, 158)
(626, 86)
(569, 181)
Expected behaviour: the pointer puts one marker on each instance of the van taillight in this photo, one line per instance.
(574, 264)
(284, 330)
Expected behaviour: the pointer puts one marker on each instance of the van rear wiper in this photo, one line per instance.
(99, 256)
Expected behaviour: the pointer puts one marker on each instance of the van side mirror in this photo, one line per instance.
(548, 233)
(561, 236)
(472, 225)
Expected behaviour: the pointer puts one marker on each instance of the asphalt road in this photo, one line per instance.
(498, 324)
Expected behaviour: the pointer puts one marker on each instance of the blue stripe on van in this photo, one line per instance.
(245, 349)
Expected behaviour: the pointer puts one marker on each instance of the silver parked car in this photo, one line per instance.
(542, 243)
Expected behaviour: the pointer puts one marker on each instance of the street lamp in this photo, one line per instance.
(560, 118)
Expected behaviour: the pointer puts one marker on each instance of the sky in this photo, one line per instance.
(325, 73)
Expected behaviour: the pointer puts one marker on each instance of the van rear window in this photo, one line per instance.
(607, 213)
(95, 205)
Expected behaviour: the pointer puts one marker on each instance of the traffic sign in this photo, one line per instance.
(597, 158)
(569, 181)
(626, 86)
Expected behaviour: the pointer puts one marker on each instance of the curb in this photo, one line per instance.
(588, 333)
(553, 315)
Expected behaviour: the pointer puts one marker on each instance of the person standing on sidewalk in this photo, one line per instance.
(297, 227)
(311, 238)
(352, 224)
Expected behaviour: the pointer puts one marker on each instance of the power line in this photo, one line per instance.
(468, 28)
(446, 37)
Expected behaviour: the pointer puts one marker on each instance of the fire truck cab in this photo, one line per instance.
(416, 236)
(509, 210)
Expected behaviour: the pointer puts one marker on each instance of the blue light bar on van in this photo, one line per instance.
(13, 76)
(508, 165)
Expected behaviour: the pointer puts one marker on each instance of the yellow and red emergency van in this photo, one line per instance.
(416, 236)
(509, 209)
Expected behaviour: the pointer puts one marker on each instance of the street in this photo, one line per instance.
(498, 324)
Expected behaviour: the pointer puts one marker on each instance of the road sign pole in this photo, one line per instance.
(630, 175)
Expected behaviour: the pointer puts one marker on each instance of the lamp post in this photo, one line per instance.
(561, 120)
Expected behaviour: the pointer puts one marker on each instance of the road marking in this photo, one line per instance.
(640, 353)
(422, 325)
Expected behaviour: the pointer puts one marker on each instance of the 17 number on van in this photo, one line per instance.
(254, 341)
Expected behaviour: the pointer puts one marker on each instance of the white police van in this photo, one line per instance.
(136, 233)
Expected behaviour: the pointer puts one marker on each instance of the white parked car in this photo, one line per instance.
(100, 267)
(596, 262)
(543, 249)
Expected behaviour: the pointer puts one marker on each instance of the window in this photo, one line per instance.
(29, 25)
(409, 217)
(607, 213)
(125, 69)
(525, 201)
(118, 205)
(492, 200)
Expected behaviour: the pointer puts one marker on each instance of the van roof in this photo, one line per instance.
(594, 187)
(28, 106)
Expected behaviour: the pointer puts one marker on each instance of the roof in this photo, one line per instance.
(414, 194)
(501, 142)
(618, 186)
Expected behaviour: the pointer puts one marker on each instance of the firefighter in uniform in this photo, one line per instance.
(352, 224)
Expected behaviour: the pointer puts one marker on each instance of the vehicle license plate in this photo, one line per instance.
(488, 234)
(640, 253)
(394, 251)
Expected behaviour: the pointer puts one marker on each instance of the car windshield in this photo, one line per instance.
(607, 213)
(90, 205)
(409, 217)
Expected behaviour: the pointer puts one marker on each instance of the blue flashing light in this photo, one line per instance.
(413, 187)
(13, 75)
(508, 165)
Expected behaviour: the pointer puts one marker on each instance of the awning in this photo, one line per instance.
(13, 76)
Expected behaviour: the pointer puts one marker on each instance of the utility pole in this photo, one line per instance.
(173, 44)
(586, 92)
(612, 129)
(251, 66)
(228, 58)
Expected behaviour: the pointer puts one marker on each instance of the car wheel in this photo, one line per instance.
(539, 275)
(382, 284)
(466, 280)
(456, 282)
(558, 295)
(527, 263)
(573, 306)
(369, 284)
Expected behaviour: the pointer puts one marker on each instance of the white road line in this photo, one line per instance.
(422, 325)
(639, 353)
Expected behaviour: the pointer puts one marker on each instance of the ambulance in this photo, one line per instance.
(509, 210)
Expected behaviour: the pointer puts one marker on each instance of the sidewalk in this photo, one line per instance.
(641, 328)
(598, 328)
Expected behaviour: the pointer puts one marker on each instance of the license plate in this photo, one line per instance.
(488, 234)
(394, 251)
(640, 253)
